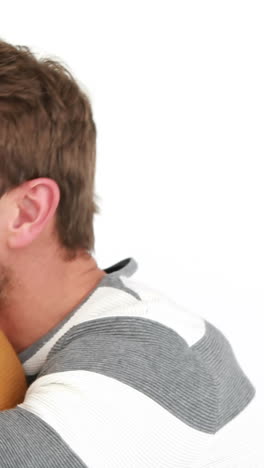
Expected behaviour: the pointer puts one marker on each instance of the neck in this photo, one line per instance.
(43, 296)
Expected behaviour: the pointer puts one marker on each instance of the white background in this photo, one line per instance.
(177, 89)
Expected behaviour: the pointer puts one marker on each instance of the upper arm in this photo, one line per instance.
(105, 423)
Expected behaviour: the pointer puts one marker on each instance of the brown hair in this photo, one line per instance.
(47, 130)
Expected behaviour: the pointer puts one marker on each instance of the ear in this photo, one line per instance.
(35, 205)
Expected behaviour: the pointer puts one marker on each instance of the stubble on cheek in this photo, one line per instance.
(6, 286)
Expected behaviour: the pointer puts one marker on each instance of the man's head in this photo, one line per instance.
(47, 131)
(47, 199)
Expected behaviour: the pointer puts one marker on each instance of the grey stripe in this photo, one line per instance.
(202, 385)
(126, 267)
(29, 442)
(234, 389)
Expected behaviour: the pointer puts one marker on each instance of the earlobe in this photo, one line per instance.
(20, 237)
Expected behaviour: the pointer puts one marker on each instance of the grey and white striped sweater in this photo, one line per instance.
(130, 379)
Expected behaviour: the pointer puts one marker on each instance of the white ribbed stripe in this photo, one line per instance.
(162, 308)
(109, 424)
(107, 302)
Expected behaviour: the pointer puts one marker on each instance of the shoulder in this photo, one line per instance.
(169, 354)
(139, 376)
